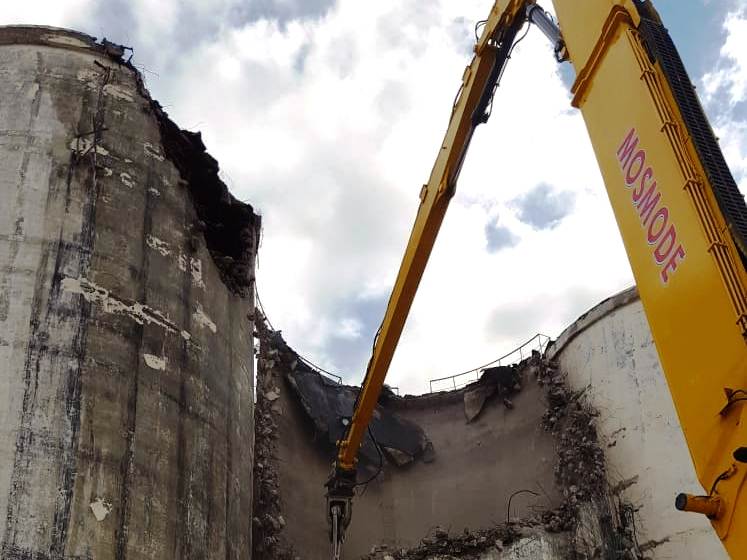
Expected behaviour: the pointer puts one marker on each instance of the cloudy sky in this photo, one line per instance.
(326, 115)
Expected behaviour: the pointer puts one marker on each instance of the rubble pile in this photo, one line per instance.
(597, 522)
(467, 545)
(267, 520)
(601, 524)
(500, 382)
(580, 468)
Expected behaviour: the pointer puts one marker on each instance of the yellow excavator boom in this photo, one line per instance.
(684, 226)
(680, 213)
(470, 109)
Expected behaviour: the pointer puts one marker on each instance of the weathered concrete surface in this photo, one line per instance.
(327, 402)
(125, 391)
(499, 543)
(475, 469)
(610, 352)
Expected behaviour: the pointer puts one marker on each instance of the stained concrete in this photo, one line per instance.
(534, 545)
(126, 386)
(327, 402)
(476, 467)
(610, 352)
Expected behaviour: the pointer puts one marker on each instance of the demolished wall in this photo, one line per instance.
(514, 469)
(126, 389)
(609, 352)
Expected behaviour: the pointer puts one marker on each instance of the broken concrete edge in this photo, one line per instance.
(594, 517)
(230, 227)
(441, 545)
(59, 37)
(326, 403)
(596, 313)
(600, 521)
(267, 518)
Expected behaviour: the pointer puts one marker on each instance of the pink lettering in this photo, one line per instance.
(648, 202)
(652, 210)
(668, 240)
(662, 213)
(626, 148)
(671, 264)
(639, 157)
(639, 191)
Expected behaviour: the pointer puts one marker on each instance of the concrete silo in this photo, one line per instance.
(126, 317)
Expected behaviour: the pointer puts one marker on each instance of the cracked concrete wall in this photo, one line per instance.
(476, 468)
(126, 422)
(610, 350)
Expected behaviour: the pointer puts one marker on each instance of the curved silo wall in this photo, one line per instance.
(126, 270)
(597, 438)
(609, 352)
(507, 467)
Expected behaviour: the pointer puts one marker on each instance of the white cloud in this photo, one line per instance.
(730, 76)
(41, 12)
(327, 117)
(725, 95)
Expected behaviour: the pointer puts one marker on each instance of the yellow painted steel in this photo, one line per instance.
(690, 277)
(694, 291)
(434, 200)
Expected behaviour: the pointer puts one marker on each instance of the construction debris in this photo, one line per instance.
(467, 545)
(592, 522)
(267, 520)
(502, 381)
(327, 403)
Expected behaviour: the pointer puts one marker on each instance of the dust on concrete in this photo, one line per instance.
(469, 545)
(230, 227)
(267, 518)
(593, 519)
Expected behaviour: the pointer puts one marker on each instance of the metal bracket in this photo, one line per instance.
(340, 492)
(732, 396)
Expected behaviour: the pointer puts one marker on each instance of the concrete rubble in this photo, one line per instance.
(502, 381)
(326, 403)
(588, 520)
(267, 519)
(504, 542)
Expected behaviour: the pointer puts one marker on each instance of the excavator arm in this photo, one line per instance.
(470, 109)
(683, 223)
(680, 213)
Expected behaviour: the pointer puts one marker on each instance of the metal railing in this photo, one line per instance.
(457, 381)
(321, 371)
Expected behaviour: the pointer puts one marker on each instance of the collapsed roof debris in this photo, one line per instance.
(328, 403)
(592, 522)
(503, 380)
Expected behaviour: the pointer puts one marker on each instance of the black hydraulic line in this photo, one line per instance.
(505, 41)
